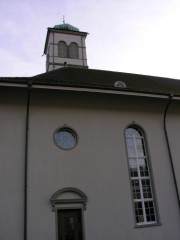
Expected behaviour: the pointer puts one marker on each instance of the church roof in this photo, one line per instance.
(66, 26)
(70, 77)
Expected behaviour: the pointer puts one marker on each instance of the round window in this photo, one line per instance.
(65, 138)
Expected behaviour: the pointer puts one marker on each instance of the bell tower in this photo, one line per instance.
(65, 46)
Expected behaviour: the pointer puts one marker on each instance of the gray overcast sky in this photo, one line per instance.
(135, 36)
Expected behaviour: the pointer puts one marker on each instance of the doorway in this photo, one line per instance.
(70, 224)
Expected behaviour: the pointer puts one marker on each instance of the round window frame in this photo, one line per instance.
(69, 130)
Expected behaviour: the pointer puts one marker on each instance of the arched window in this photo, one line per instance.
(73, 50)
(62, 49)
(140, 176)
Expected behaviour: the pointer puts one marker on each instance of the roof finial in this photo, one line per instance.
(63, 19)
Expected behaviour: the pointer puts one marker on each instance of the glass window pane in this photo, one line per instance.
(136, 189)
(133, 167)
(146, 188)
(143, 167)
(150, 214)
(131, 147)
(132, 132)
(139, 212)
(140, 149)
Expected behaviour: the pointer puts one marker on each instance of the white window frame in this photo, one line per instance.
(140, 192)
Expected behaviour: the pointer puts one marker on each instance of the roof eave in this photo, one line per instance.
(128, 92)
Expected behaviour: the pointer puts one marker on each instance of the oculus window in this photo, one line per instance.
(65, 138)
(141, 183)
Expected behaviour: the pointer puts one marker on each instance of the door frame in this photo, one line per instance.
(70, 208)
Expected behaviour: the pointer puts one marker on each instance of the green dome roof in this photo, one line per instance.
(66, 26)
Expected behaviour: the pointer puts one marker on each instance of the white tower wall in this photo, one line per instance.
(63, 33)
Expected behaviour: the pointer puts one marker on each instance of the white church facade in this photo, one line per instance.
(88, 154)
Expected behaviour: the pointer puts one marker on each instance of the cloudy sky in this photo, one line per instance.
(134, 36)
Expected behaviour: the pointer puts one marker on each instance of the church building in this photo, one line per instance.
(88, 154)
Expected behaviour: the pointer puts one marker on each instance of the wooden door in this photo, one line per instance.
(69, 224)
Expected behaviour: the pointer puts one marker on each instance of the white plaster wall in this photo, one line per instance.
(98, 165)
(173, 125)
(12, 137)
